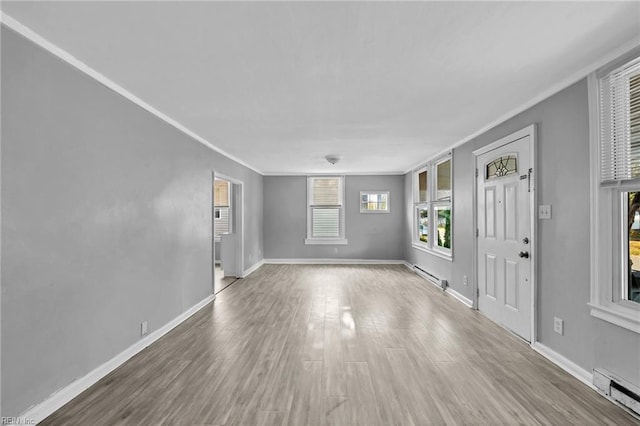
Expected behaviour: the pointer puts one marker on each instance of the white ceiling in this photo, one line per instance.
(383, 85)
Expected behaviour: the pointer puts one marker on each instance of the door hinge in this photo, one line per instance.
(476, 172)
(477, 232)
(477, 292)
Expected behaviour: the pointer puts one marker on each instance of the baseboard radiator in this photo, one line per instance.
(428, 275)
(621, 391)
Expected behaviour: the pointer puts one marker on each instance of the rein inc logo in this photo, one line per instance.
(17, 421)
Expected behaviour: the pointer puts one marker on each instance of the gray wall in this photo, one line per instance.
(370, 236)
(106, 222)
(563, 242)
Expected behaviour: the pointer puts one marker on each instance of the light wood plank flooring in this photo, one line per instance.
(221, 282)
(338, 345)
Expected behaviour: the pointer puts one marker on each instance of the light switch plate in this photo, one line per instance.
(544, 211)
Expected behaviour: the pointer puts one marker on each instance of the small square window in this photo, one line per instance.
(374, 202)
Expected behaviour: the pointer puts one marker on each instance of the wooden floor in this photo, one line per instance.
(220, 281)
(338, 345)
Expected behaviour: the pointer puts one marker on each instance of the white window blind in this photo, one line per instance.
(620, 123)
(326, 223)
(326, 214)
(326, 191)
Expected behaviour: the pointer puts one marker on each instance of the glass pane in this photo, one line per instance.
(444, 226)
(221, 193)
(221, 221)
(503, 166)
(632, 292)
(325, 223)
(374, 201)
(423, 224)
(443, 189)
(422, 186)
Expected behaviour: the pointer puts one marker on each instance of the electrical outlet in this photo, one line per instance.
(464, 280)
(144, 328)
(558, 326)
(544, 211)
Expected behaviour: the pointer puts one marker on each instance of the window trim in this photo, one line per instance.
(605, 302)
(431, 167)
(342, 239)
(388, 209)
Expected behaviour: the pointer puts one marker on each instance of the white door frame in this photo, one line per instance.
(533, 200)
(238, 208)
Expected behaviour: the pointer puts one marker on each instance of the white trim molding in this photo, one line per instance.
(110, 84)
(457, 295)
(62, 396)
(317, 261)
(326, 241)
(531, 132)
(466, 301)
(425, 249)
(565, 363)
(399, 173)
(559, 86)
(606, 302)
(252, 269)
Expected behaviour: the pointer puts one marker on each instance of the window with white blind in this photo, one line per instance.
(614, 104)
(619, 92)
(325, 210)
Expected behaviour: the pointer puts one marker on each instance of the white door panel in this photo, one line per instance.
(503, 212)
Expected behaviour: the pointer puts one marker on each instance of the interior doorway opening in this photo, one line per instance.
(227, 225)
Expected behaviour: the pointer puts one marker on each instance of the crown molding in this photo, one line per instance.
(67, 57)
(334, 174)
(561, 85)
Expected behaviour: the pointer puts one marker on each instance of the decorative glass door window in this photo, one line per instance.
(503, 166)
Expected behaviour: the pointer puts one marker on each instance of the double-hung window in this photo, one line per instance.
(432, 207)
(614, 95)
(325, 210)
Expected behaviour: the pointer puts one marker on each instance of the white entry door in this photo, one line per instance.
(504, 182)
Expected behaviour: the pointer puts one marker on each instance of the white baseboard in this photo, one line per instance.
(565, 363)
(62, 396)
(252, 269)
(333, 262)
(466, 301)
(459, 296)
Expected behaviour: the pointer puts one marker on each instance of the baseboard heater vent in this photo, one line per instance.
(439, 282)
(621, 391)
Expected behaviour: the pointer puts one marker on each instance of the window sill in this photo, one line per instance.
(325, 241)
(620, 315)
(436, 253)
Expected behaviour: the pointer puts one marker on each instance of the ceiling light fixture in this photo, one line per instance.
(332, 159)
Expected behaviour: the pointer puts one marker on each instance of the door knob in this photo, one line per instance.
(524, 254)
